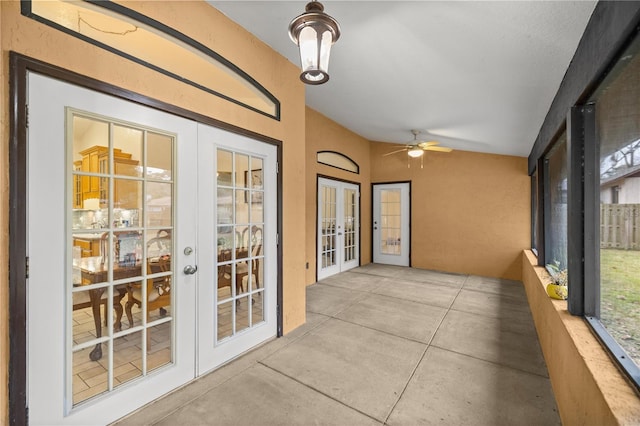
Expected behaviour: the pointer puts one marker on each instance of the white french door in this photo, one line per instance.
(338, 227)
(391, 217)
(237, 177)
(124, 298)
(91, 234)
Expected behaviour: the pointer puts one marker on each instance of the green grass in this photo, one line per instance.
(620, 297)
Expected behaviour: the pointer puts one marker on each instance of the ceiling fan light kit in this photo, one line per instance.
(314, 32)
(417, 148)
(415, 152)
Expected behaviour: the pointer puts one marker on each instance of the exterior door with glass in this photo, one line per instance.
(110, 311)
(338, 227)
(237, 295)
(391, 215)
(152, 252)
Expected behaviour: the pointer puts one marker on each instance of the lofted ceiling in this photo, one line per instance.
(474, 75)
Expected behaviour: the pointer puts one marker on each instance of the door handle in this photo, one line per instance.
(339, 233)
(190, 270)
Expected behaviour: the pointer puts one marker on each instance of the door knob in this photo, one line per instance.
(190, 270)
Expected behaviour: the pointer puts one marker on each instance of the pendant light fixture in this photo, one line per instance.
(314, 32)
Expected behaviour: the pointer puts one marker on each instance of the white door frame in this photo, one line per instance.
(339, 264)
(403, 255)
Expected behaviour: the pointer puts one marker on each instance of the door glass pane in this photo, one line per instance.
(127, 358)
(241, 170)
(239, 225)
(242, 314)
(390, 222)
(328, 224)
(350, 223)
(242, 207)
(121, 247)
(159, 156)
(159, 204)
(90, 378)
(127, 150)
(257, 308)
(159, 346)
(225, 319)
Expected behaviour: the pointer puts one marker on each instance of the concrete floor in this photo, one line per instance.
(383, 345)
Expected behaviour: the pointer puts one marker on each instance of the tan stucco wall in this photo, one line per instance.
(588, 387)
(205, 24)
(323, 134)
(470, 212)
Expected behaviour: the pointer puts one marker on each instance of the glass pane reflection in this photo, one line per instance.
(159, 156)
(159, 204)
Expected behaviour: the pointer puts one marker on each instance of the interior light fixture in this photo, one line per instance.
(415, 152)
(314, 32)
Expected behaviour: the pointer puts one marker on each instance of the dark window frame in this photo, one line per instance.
(545, 212)
(26, 10)
(611, 29)
(535, 218)
(345, 157)
(591, 208)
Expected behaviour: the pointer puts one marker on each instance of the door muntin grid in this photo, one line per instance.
(390, 222)
(121, 188)
(328, 226)
(240, 294)
(350, 224)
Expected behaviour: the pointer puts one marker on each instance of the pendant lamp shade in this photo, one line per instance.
(314, 32)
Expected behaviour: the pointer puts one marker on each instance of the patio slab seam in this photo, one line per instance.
(410, 279)
(220, 370)
(490, 361)
(404, 389)
(320, 392)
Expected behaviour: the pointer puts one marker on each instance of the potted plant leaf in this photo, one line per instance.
(557, 288)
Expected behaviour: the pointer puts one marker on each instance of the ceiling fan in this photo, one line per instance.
(417, 148)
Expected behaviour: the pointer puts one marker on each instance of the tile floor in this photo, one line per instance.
(383, 345)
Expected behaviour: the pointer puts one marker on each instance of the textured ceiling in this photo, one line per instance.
(478, 76)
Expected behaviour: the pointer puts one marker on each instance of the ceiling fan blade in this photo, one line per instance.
(438, 148)
(394, 152)
(425, 144)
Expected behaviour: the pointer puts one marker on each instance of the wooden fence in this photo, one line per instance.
(620, 226)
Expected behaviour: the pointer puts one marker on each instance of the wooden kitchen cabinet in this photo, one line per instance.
(88, 246)
(96, 160)
(77, 186)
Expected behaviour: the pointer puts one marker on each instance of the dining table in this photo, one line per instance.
(95, 270)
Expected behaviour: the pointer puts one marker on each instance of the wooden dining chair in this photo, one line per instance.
(225, 272)
(254, 248)
(158, 288)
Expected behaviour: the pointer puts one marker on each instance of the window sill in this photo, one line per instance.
(588, 387)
